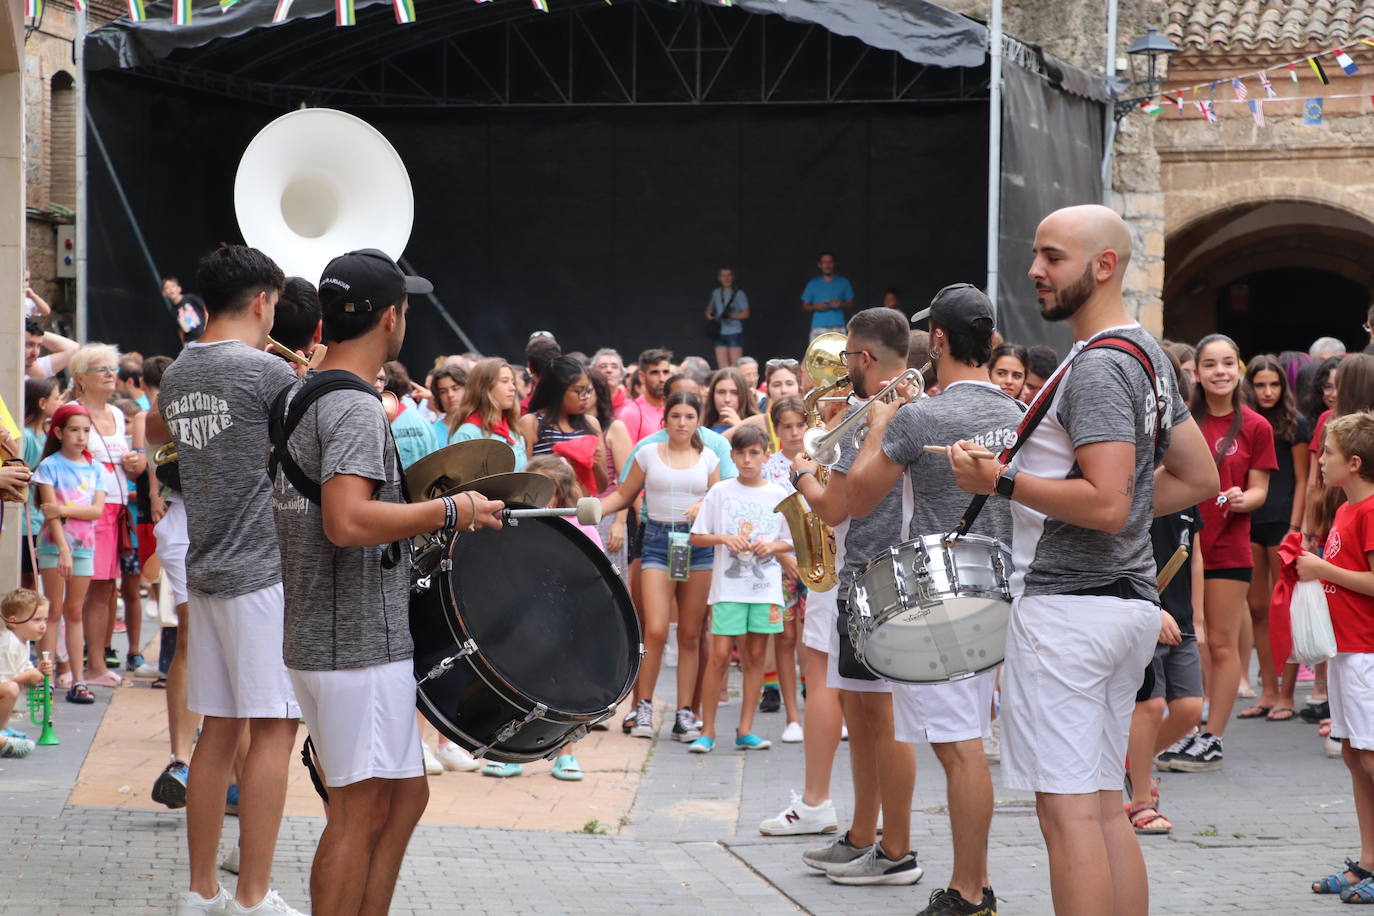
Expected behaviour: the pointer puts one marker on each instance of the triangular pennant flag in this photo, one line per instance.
(136, 12)
(1214, 88)
(81, 6)
(344, 14)
(1269, 91)
(181, 12)
(541, 5)
(1207, 111)
(1367, 41)
(1241, 92)
(1317, 69)
(283, 11)
(1312, 112)
(1150, 106)
(405, 10)
(1346, 63)
(1257, 111)
(225, 4)
(33, 9)
(1178, 100)
(1293, 72)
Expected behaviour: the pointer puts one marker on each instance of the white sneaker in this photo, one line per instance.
(793, 733)
(1331, 747)
(456, 759)
(147, 672)
(231, 861)
(193, 904)
(432, 765)
(271, 905)
(992, 742)
(799, 818)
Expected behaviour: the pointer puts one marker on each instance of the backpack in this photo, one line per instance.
(280, 426)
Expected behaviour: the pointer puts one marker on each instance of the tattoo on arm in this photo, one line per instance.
(1129, 489)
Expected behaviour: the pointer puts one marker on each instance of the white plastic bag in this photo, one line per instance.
(1313, 639)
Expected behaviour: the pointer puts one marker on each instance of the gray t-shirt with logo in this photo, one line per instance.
(965, 411)
(860, 539)
(215, 399)
(344, 608)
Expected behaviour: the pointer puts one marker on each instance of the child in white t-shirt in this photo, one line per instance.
(25, 614)
(746, 598)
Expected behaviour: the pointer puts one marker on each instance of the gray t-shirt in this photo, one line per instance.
(1104, 396)
(975, 411)
(216, 399)
(344, 609)
(858, 540)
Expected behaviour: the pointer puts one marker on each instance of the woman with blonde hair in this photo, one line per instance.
(95, 370)
(489, 408)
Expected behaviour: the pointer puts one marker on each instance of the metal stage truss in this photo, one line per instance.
(644, 53)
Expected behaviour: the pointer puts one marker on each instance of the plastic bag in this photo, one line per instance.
(1313, 639)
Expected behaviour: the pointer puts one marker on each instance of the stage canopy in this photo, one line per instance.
(587, 170)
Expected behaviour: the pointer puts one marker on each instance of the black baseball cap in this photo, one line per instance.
(367, 279)
(957, 307)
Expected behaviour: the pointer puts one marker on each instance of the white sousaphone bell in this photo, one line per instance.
(316, 183)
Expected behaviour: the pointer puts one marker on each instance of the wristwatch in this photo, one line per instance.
(1006, 481)
(797, 475)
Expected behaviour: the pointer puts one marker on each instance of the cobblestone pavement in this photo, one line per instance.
(1247, 839)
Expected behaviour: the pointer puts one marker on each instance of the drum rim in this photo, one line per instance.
(487, 669)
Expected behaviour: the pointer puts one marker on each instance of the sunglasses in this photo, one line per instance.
(104, 370)
(785, 363)
(548, 334)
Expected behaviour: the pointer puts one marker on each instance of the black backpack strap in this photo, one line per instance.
(282, 424)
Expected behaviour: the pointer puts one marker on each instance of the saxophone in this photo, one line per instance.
(812, 538)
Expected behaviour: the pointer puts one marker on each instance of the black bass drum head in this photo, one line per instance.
(548, 613)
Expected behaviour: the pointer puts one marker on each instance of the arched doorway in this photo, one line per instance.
(1275, 275)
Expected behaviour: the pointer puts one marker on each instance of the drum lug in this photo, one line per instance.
(445, 565)
(511, 728)
(420, 585)
(446, 665)
(573, 737)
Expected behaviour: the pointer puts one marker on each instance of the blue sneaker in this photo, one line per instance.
(751, 742)
(231, 801)
(170, 788)
(11, 733)
(702, 745)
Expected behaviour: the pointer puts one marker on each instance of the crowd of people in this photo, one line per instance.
(1265, 464)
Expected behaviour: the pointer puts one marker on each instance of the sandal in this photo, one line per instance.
(1147, 821)
(1338, 883)
(1255, 712)
(79, 693)
(567, 768)
(1281, 714)
(108, 679)
(502, 770)
(1359, 893)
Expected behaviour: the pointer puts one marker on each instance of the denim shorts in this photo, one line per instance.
(730, 340)
(655, 555)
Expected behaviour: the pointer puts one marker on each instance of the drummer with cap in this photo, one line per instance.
(954, 716)
(346, 573)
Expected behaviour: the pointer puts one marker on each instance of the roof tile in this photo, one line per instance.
(1267, 24)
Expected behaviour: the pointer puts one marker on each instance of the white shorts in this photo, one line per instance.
(1074, 664)
(234, 664)
(362, 722)
(944, 713)
(820, 619)
(172, 544)
(1350, 689)
(833, 678)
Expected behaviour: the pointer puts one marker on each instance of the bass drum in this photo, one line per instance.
(524, 638)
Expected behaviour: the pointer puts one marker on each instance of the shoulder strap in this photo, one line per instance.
(1040, 407)
(281, 424)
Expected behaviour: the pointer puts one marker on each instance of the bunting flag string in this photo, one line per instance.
(1312, 60)
(136, 11)
(405, 11)
(181, 12)
(344, 13)
(33, 9)
(1257, 112)
(1241, 92)
(1269, 91)
(1345, 62)
(1317, 68)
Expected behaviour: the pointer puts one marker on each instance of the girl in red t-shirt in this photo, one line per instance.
(1242, 444)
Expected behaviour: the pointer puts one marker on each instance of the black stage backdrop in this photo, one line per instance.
(604, 226)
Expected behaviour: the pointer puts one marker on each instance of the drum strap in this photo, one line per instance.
(1041, 407)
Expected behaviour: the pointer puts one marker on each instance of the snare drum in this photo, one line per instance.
(524, 638)
(931, 610)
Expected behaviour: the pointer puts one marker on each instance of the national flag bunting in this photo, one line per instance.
(1312, 111)
(181, 12)
(1241, 92)
(1150, 106)
(1345, 62)
(1178, 100)
(344, 13)
(33, 8)
(405, 10)
(81, 6)
(136, 12)
(1319, 70)
(283, 11)
(1367, 41)
(541, 5)
(225, 4)
(1257, 111)
(1293, 72)
(1269, 91)
(1207, 111)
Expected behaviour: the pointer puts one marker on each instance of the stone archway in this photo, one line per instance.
(1275, 272)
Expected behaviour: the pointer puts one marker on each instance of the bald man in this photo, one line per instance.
(1084, 487)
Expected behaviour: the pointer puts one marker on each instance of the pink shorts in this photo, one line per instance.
(106, 557)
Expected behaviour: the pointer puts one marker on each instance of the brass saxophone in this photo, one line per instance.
(812, 539)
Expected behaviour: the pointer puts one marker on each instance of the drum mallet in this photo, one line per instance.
(1173, 566)
(588, 512)
(979, 453)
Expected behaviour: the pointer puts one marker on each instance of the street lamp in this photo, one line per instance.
(1145, 56)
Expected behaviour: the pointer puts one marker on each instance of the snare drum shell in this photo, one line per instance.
(930, 612)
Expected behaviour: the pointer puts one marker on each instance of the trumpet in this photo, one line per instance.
(165, 454)
(283, 350)
(824, 445)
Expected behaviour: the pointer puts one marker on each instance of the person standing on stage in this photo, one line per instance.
(729, 306)
(214, 404)
(1085, 615)
(346, 570)
(826, 297)
(952, 717)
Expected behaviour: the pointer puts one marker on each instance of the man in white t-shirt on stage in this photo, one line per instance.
(1084, 489)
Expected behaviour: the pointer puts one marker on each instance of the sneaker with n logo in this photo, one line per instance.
(799, 818)
(874, 867)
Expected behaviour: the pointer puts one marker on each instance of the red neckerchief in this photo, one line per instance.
(502, 428)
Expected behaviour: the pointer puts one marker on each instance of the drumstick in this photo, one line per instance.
(971, 452)
(283, 350)
(1175, 563)
(588, 512)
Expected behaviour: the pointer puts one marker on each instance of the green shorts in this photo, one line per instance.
(735, 618)
(81, 566)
